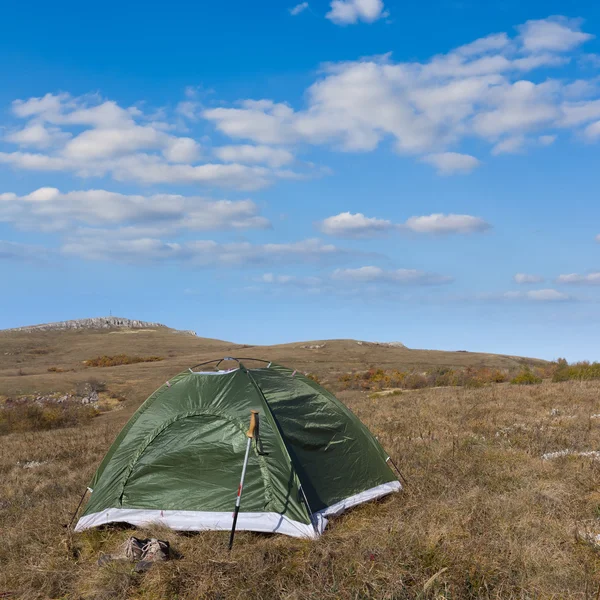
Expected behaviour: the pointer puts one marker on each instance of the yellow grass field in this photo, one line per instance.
(483, 514)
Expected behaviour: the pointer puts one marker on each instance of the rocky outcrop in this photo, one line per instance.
(388, 344)
(93, 323)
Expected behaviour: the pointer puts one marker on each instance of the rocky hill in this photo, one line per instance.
(94, 323)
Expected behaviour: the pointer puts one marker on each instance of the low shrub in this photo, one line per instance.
(378, 379)
(526, 377)
(581, 371)
(119, 359)
(314, 377)
(33, 417)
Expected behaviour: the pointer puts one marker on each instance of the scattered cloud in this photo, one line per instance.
(544, 295)
(371, 274)
(578, 279)
(248, 154)
(151, 169)
(554, 34)
(49, 209)
(198, 253)
(449, 163)
(93, 137)
(444, 224)
(290, 280)
(299, 8)
(37, 135)
(350, 225)
(525, 278)
(349, 12)
(482, 89)
(370, 281)
(14, 251)
(509, 145)
(592, 131)
(427, 109)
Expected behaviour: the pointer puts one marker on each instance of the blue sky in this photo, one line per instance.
(268, 173)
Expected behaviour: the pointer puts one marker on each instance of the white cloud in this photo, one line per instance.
(444, 224)
(547, 295)
(509, 145)
(36, 135)
(517, 108)
(525, 278)
(181, 150)
(14, 251)
(547, 140)
(289, 280)
(371, 274)
(449, 163)
(544, 295)
(109, 143)
(151, 169)
(188, 109)
(357, 225)
(248, 154)
(592, 131)
(127, 145)
(263, 121)
(199, 253)
(48, 209)
(34, 162)
(557, 34)
(576, 278)
(427, 109)
(480, 89)
(296, 10)
(347, 12)
(354, 225)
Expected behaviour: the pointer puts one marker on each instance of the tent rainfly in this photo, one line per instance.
(177, 462)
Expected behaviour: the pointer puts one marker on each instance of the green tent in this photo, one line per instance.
(178, 460)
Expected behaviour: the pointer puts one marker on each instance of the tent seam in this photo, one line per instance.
(284, 445)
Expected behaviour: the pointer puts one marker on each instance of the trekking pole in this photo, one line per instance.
(249, 435)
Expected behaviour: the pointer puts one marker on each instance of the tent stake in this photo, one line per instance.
(250, 435)
(77, 509)
(397, 470)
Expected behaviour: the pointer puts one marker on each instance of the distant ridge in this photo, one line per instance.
(93, 323)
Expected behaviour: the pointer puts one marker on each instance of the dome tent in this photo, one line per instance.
(178, 460)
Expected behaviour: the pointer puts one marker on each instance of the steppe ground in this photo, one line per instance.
(483, 514)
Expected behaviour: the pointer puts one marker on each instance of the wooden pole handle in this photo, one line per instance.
(253, 423)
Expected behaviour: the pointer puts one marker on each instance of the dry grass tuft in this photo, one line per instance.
(483, 516)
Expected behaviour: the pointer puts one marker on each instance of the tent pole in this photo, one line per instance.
(250, 435)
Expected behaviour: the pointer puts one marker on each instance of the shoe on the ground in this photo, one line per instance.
(154, 551)
(133, 549)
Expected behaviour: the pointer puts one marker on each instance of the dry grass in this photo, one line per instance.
(483, 516)
(45, 361)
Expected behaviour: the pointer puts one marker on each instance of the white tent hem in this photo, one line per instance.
(266, 522)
